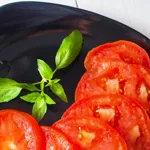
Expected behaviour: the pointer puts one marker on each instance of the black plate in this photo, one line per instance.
(31, 30)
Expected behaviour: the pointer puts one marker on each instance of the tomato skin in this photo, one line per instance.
(113, 76)
(56, 140)
(123, 50)
(123, 114)
(20, 130)
(90, 133)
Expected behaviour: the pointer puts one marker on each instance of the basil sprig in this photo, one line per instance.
(66, 54)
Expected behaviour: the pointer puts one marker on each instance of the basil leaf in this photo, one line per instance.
(9, 93)
(39, 109)
(29, 87)
(8, 90)
(56, 80)
(69, 50)
(58, 90)
(45, 70)
(48, 99)
(32, 97)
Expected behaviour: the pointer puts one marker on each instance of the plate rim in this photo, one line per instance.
(79, 9)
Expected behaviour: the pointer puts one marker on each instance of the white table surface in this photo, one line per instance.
(134, 13)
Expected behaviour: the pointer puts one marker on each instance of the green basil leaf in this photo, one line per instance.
(48, 99)
(69, 50)
(9, 93)
(32, 97)
(58, 90)
(49, 83)
(8, 90)
(45, 70)
(55, 80)
(29, 87)
(39, 109)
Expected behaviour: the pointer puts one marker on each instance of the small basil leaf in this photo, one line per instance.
(55, 80)
(69, 50)
(49, 83)
(39, 109)
(48, 99)
(29, 87)
(58, 90)
(45, 70)
(8, 90)
(32, 97)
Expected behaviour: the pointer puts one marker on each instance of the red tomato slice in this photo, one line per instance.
(123, 114)
(90, 133)
(116, 77)
(20, 131)
(124, 50)
(56, 140)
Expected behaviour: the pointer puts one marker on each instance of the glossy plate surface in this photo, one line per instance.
(31, 30)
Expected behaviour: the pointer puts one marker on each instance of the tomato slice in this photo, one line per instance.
(90, 133)
(116, 77)
(123, 50)
(120, 112)
(20, 131)
(56, 140)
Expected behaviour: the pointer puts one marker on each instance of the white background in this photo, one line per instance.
(134, 13)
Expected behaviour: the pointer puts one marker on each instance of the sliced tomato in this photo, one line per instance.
(116, 77)
(20, 131)
(120, 112)
(56, 140)
(123, 50)
(90, 133)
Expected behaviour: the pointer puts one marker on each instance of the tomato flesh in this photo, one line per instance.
(20, 131)
(123, 50)
(56, 140)
(122, 113)
(116, 77)
(90, 133)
